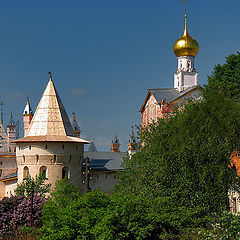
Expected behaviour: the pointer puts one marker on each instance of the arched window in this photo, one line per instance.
(65, 173)
(43, 171)
(25, 172)
(24, 159)
(37, 158)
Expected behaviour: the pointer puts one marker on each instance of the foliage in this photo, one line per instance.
(40, 188)
(226, 78)
(187, 157)
(96, 215)
(15, 213)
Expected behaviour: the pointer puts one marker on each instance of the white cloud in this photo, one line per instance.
(78, 92)
(15, 96)
(105, 124)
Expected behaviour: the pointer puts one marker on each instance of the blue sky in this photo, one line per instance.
(105, 54)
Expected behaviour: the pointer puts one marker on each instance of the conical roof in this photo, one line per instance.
(11, 121)
(50, 121)
(28, 109)
(50, 117)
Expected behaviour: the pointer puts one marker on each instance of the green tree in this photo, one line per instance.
(96, 215)
(226, 78)
(187, 156)
(35, 185)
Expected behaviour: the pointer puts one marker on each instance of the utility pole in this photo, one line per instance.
(17, 129)
(31, 207)
(1, 107)
(87, 175)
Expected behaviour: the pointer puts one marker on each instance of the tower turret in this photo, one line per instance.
(11, 132)
(115, 146)
(50, 146)
(27, 116)
(132, 145)
(92, 147)
(185, 48)
(76, 128)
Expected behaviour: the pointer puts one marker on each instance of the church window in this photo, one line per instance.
(63, 146)
(46, 146)
(234, 205)
(54, 158)
(24, 159)
(30, 147)
(37, 158)
(25, 172)
(65, 172)
(43, 171)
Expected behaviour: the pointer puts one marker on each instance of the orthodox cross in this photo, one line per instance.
(50, 75)
(185, 1)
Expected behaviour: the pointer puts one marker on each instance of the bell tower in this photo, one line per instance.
(132, 145)
(185, 48)
(27, 116)
(115, 145)
(11, 132)
(76, 128)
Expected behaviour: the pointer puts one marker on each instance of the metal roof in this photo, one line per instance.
(50, 121)
(169, 94)
(55, 138)
(27, 109)
(10, 176)
(50, 117)
(105, 161)
(92, 147)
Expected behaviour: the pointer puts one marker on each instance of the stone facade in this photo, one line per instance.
(56, 160)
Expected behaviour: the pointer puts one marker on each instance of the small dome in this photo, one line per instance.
(186, 45)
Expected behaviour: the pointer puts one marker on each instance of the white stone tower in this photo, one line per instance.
(115, 145)
(27, 116)
(185, 48)
(76, 128)
(11, 131)
(50, 146)
(132, 145)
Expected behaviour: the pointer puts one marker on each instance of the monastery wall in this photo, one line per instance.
(8, 164)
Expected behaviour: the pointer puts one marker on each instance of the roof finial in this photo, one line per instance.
(50, 76)
(74, 119)
(185, 16)
(91, 139)
(132, 131)
(27, 100)
(11, 115)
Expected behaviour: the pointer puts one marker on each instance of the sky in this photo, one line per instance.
(105, 54)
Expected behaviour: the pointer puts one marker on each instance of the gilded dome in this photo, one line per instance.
(186, 45)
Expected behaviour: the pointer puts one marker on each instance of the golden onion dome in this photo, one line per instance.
(186, 45)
